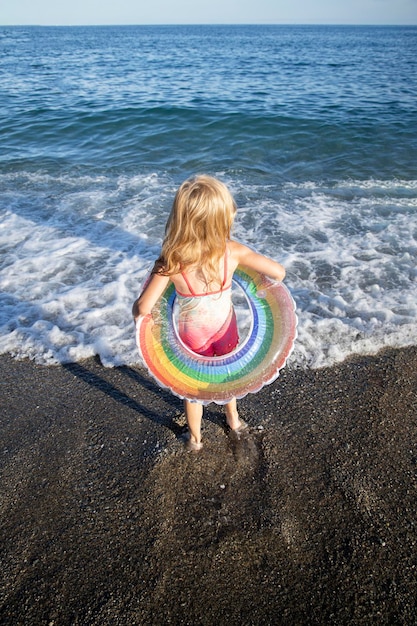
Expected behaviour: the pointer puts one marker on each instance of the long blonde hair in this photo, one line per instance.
(198, 228)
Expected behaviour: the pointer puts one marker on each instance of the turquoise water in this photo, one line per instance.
(313, 128)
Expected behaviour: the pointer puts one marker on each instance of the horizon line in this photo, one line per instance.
(87, 25)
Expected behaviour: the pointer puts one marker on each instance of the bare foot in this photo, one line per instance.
(240, 427)
(193, 446)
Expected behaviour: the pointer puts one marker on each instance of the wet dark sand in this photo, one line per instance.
(308, 519)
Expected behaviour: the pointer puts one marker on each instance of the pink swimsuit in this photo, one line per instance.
(207, 321)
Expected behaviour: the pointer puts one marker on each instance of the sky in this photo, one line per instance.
(78, 12)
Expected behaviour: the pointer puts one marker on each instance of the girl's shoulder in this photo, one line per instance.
(243, 255)
(237, 250)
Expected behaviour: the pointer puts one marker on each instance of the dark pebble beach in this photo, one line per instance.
(308, 518)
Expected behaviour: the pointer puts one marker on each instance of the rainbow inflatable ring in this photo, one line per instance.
(255, 362)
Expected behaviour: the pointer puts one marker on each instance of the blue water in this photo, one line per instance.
(313, 128)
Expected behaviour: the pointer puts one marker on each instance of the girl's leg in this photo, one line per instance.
(194, 413)
(232, 416)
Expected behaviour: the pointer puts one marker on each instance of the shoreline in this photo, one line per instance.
(307, 519)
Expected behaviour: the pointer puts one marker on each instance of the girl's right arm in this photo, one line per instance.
(150, 295)
(258, 262)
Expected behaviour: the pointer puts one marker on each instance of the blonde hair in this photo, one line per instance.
(198, 227)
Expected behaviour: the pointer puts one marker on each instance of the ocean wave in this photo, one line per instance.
(75, 249)
(291, 147)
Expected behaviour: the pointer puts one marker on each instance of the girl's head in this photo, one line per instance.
(199, 225)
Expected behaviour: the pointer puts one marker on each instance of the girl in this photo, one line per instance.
(199, 257)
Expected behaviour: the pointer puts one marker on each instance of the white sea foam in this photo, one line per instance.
(74, 251)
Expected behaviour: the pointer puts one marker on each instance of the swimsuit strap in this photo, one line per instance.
(192, 292)
(225, 268)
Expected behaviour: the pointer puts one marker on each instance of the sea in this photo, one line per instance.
(313, 128)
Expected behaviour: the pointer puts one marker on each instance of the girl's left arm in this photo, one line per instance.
(149, 296)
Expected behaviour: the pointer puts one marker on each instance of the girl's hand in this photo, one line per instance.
(137, 320)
